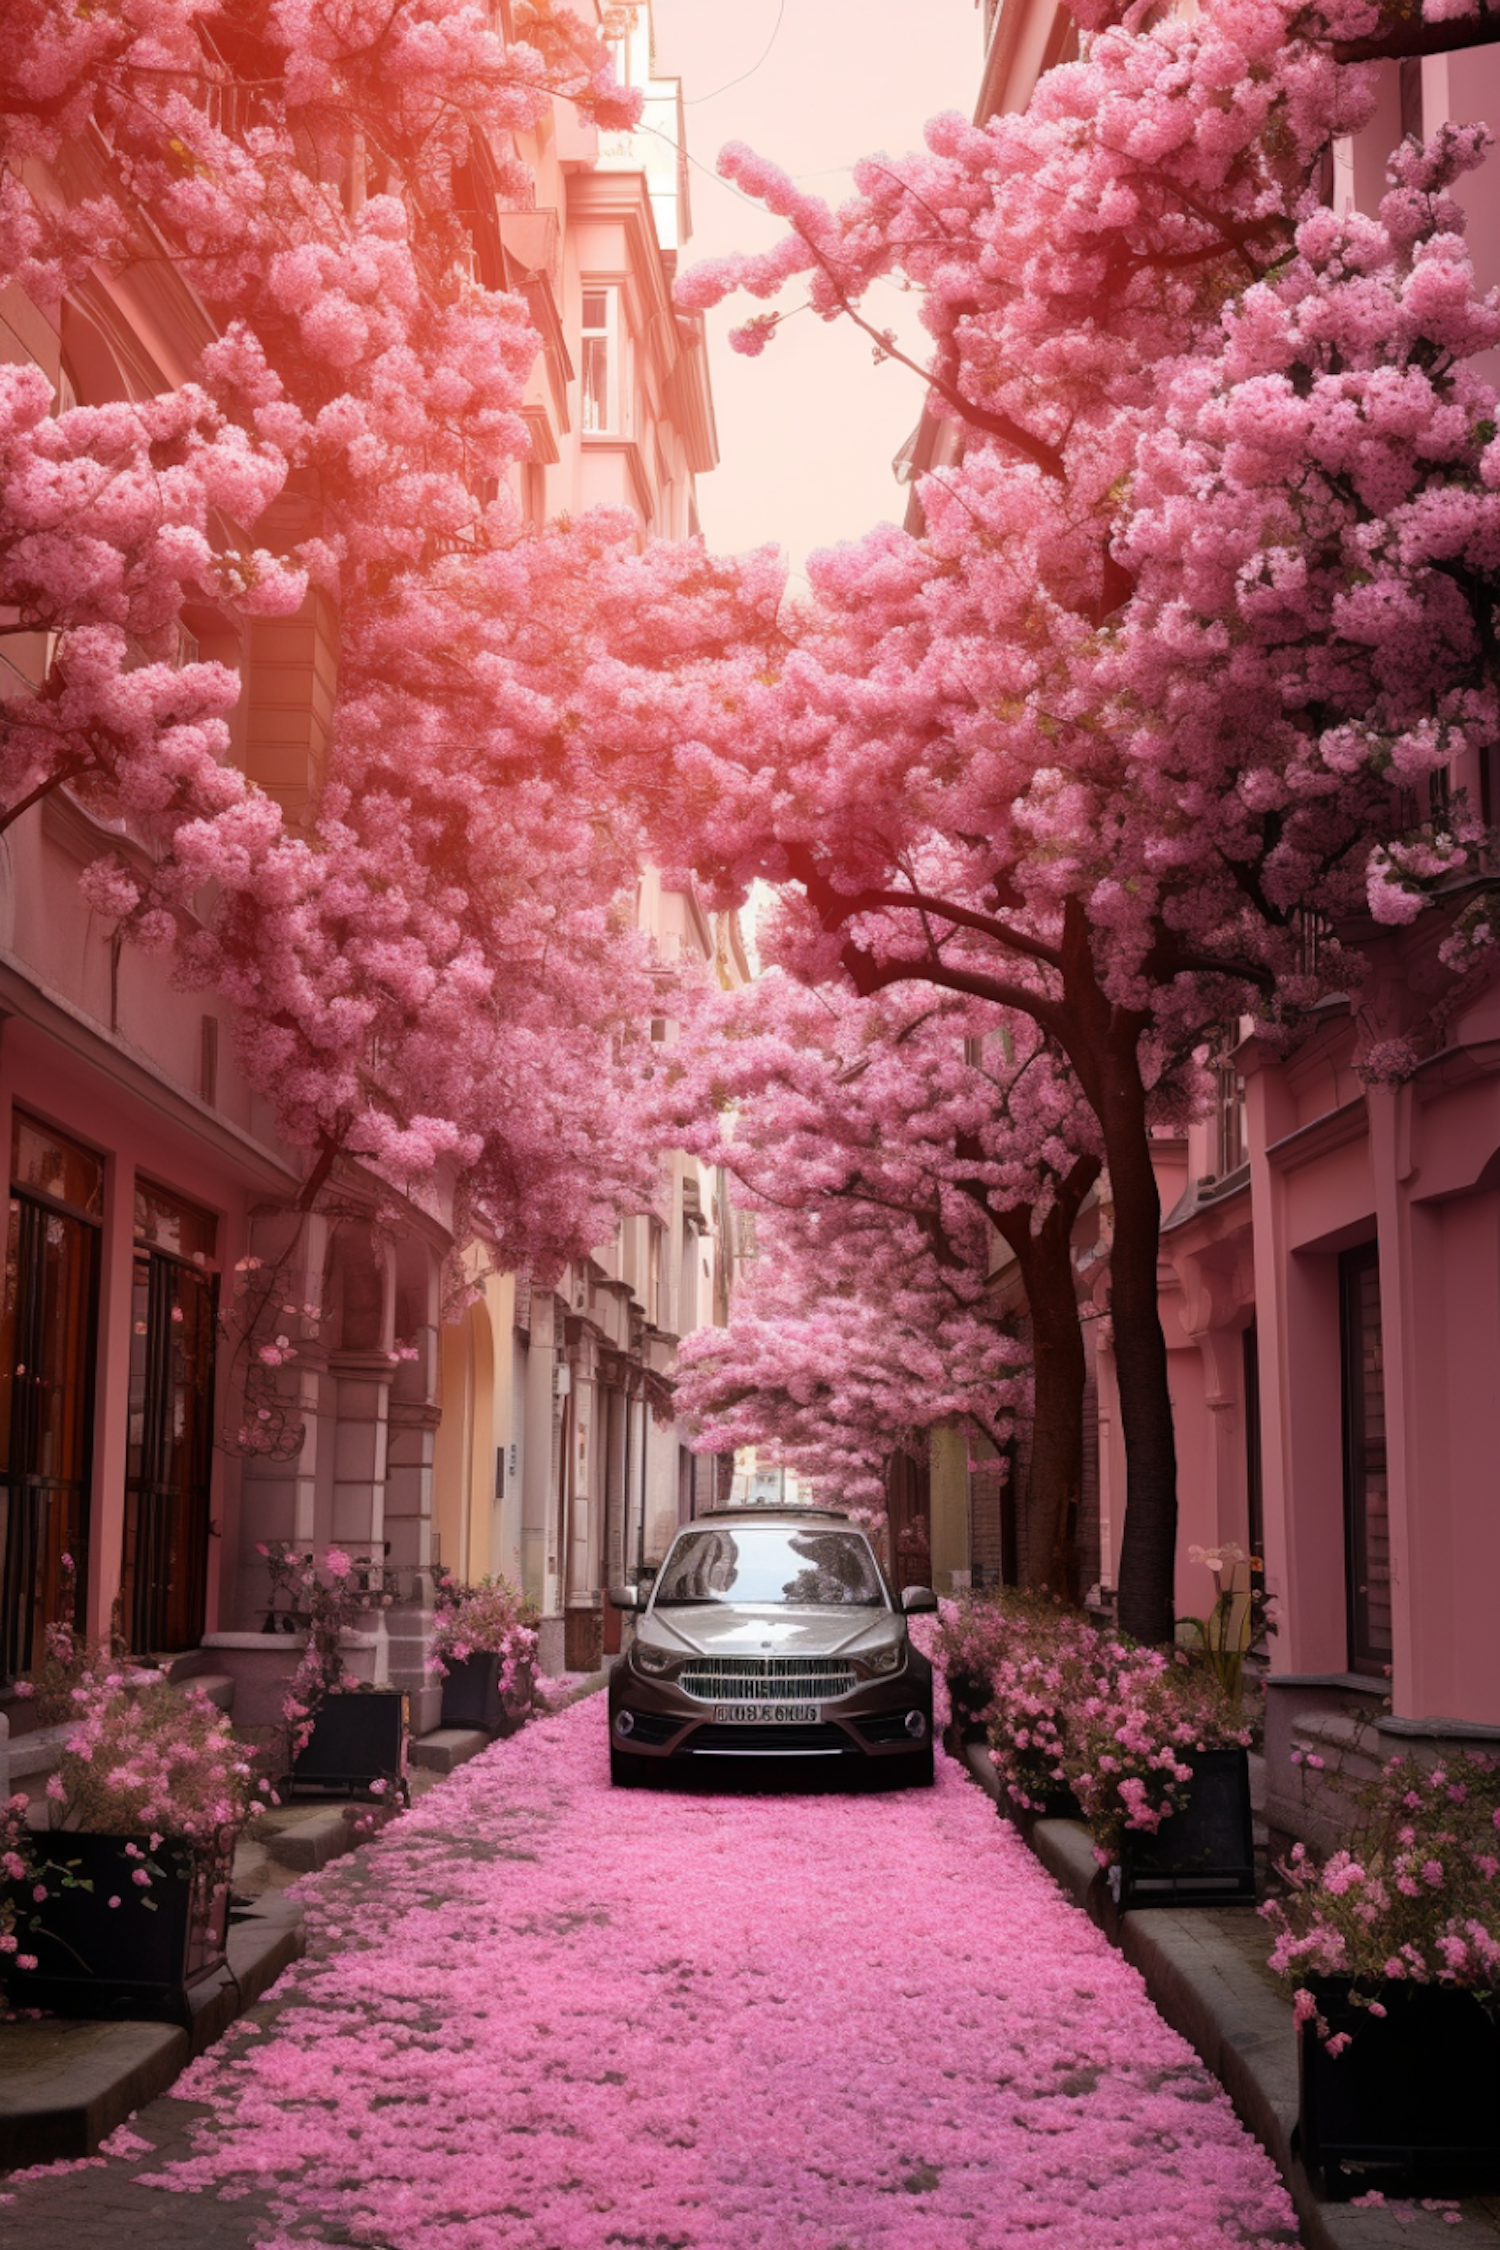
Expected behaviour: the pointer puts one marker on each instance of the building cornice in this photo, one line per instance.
(1333, 1130)
(26, 998)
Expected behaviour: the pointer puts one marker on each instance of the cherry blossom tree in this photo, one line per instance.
(436, 924)
(1096, 746)
(856, 1333)
(905, 1119)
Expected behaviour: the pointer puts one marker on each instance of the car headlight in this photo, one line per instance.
(884, 1659)
(648, 1659)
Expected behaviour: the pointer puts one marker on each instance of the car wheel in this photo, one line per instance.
(625, 1772)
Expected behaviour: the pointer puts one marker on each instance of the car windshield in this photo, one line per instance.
(772, 1564)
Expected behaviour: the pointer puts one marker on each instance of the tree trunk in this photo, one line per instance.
(1149, 1547)
(1060, 1374)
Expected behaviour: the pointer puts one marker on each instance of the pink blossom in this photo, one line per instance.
(502, 1947)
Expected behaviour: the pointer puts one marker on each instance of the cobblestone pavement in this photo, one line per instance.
(538, 2015)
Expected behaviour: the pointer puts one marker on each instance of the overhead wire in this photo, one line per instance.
(744, 74)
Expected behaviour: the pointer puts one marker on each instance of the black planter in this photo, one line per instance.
(1056, 1803)
(1414, 2097)
(471, 1694)
(358, 1737)
(1204, 1853)
(141, 1956)
(970, 1695)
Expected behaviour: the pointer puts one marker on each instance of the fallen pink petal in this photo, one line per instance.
(537, 2013)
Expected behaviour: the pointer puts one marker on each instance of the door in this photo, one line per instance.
(169, 1458)
(48, 1345)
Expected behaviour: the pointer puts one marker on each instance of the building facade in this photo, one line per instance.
(1330, 1256)
(151, 1204)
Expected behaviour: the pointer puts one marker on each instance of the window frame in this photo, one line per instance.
(612, 336)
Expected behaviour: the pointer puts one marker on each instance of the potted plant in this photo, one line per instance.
(1030, 1653)
(1237, 1623)
(484, 1651)
(1391, 1949)
(121, 1905)
(965, 1648)
(344, 1737)
(1158, 1758)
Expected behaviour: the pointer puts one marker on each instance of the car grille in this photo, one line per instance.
(767, 1679)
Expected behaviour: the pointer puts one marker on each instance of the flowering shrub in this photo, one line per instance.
(139, 1753)
(489, 1619)
(968, 1644)
(1015, 1662)
(1127, 1739)
(16, 1865)
(1414, 1898)
(326, 1599)
(156, 1758)
(1072, 1706)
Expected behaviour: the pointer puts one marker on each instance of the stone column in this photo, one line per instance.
(280, 1496)
(950, 1508)
(408, 1527)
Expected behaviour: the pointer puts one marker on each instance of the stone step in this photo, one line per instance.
(33, 1756)
(447, 1747)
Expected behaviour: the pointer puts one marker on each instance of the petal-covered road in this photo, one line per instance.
(539, 2015)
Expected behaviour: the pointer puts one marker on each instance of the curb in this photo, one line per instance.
(65, 2083)
(1200, 1983)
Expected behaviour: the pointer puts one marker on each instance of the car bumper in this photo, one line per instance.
(870, 1727)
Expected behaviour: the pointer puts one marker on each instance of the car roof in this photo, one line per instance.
(780, 1513)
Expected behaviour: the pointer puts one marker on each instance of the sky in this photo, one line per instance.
(807, 432)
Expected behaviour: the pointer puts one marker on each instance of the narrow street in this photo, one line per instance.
(543, 2014)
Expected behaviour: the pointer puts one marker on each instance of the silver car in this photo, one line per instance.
(770, 1635)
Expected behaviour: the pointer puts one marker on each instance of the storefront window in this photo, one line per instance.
(169, 1458)
(47, 1350)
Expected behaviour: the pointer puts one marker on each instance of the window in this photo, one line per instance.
(1367, 1535)
(169, 1454)
(601, 360)
(47, 1353)
(1231, 1145)
(1411, 96)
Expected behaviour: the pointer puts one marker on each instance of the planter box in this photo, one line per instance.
(1059, 1803)
(1204, 1854)
(138, 1958)
(1414, 2096)
(357, 1737)
(970, 1695)
(472, 1698)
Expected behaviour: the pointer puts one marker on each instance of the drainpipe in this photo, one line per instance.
(640, 1552)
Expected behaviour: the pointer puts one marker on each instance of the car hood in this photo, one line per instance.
(732, 1631)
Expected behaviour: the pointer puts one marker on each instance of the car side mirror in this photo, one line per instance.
(918, 1601)
(628, 1597)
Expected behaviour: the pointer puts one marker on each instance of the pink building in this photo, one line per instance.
(1330, 1260)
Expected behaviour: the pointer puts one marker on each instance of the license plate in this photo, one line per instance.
(766, 1714)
